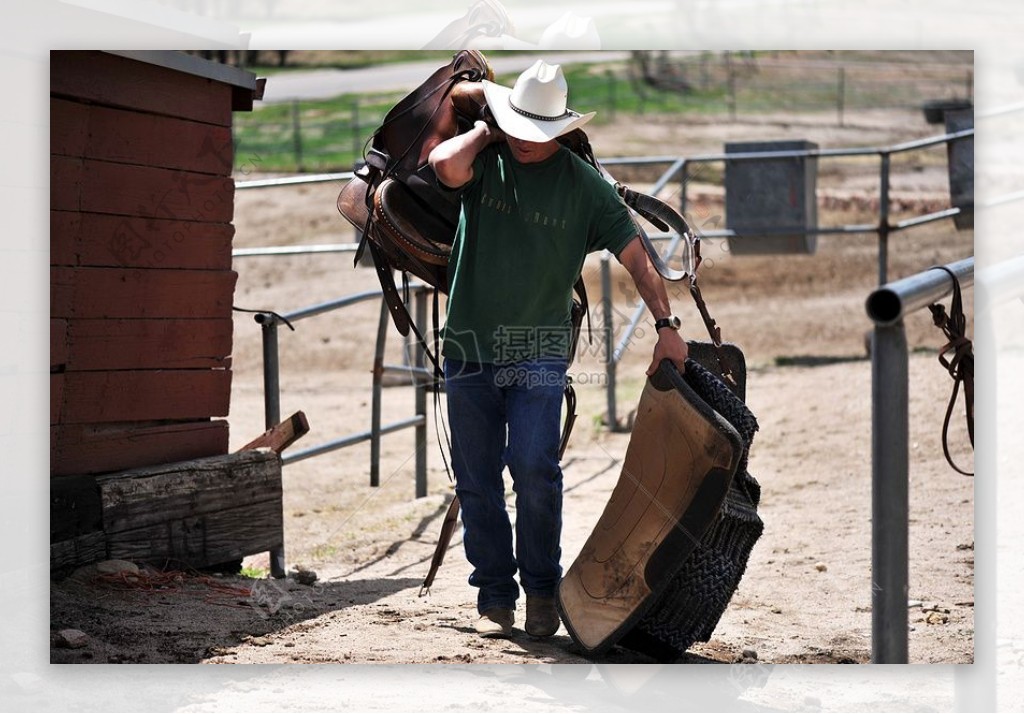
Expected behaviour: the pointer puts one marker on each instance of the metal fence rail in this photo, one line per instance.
(887, 306)
(679, 169)
(421, 382)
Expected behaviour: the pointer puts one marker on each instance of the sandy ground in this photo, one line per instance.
(806, 596)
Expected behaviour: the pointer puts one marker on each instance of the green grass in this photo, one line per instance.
(254, 573)
(332, 132)
(330, 135)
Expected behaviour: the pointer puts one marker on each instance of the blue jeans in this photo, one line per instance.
(508, 416)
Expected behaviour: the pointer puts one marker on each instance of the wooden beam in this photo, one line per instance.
(102, 78)
(130, 293)
(102, 448)
(280, 437)
(78, 551)
(201, 512)
(145, 344)
(143, 395)
(132, 137)
(101, 240)
(170, 492)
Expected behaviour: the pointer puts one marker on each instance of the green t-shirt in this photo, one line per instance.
(524, 232)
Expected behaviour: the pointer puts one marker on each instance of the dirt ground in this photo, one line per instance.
(806, 595)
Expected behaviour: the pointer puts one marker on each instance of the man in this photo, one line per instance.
(531, 211)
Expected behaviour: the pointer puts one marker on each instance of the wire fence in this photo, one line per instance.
(329, 135)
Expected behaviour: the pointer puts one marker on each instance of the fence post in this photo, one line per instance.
(421, 397)
(272, 409)
(889, 494)
(609, 341)
(883, 221)
(732, 88)
(841, 94)
(297, 135)
(356, 144)
(611, 93)
(378, 376)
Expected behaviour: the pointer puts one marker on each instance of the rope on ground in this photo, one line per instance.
(166, 582)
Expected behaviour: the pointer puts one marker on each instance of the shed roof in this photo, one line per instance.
(247, 87)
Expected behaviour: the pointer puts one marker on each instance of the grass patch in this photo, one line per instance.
(253, 572)
(330, 135)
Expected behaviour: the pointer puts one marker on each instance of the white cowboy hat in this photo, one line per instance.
(535, 108)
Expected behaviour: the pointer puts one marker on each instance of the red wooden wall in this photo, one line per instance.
(141, 203)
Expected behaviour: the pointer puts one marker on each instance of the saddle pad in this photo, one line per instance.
(352, 203)
(416, 228)
(678, 467)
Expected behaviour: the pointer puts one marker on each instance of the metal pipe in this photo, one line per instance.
(319, 309)
(271, 373)
(638, 312)
(378, 373)
(294, 180)
(408, 369)
(294, 250)
(272, 414)
(883, 221)
(889, 494)
(824, 153)
(609, 363)
(778, 230)
(926, 218)
(667, 176)
(351, 440)
(421, 399)
(888, 304)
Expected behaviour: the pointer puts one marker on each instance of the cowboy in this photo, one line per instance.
(531, 211)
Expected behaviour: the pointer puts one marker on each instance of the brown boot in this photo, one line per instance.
(541, 616)
(496, 622)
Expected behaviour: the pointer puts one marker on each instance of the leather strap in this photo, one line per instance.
(960, 364)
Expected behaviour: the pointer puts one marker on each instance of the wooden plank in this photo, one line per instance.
(157, 494)
(122, 82)
(102, 240)
(78, 551)
(62, 292)
(203, 540)
(69, 128)
(56, 397)
(103, 448)
(64, 227)
(66, 176)
(148, 344)
(127, 190)
(132, 137)
(91, 397)
(75, 507)
(131, 293)
(58, 344)
(280, 437)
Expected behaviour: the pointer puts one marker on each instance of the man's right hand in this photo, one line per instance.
(493, 131)
(452, 160)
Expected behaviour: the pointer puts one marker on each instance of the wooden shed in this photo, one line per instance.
(141, 287)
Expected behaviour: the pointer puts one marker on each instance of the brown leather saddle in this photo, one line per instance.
(408, 219)
(669, 549)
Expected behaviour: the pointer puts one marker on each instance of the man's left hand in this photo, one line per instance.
(672, 346)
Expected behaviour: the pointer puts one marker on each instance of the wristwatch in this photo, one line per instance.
(671, 321)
